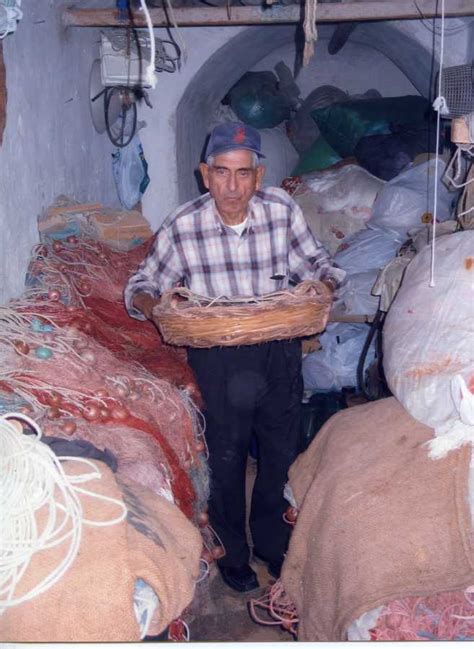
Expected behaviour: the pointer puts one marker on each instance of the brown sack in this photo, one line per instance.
(93, 601)
(378, 519)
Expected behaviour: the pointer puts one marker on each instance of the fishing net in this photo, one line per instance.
(76, 361)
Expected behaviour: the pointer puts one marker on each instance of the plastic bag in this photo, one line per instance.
(337, 203)
(302, 128)
(386, 156)
(256, 100)
(368, 249)
(335, 365)
(10, 13)
(130, 171)
(319, 156)
(344, 124)
(428, 341)
(356, 294)
(407, 202)
(348, 187)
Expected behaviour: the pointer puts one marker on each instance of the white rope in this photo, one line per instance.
(439, 105)
(33, 479)
(454, 170)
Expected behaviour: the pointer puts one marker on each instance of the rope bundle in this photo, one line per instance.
(185, 318)
(33, 482)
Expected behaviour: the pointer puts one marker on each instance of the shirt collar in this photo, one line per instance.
(254, 204)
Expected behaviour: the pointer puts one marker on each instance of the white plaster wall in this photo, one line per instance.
(404, 41)
(344, 70)
(49, 144)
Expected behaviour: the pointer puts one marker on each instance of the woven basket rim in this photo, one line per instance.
(185, 318)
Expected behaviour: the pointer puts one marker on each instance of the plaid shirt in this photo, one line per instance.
(194, 248)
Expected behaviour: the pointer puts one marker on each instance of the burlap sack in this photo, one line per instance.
(93, 602)
(378, 519)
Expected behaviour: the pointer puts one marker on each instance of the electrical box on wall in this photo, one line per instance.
(122, 64)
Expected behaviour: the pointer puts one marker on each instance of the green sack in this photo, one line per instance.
(320, 155)
(344, 124)
(257, 100)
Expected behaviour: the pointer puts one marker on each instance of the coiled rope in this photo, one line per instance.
(32, 478)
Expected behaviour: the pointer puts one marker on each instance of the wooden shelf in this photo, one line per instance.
(363, 10)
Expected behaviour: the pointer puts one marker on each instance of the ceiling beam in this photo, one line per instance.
(362, 10)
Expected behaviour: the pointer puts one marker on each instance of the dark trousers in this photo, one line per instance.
(255, 389)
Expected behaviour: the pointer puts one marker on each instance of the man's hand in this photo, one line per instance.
(145, 303)
(329, 285)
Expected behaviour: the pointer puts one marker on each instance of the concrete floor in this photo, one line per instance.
(219, 614)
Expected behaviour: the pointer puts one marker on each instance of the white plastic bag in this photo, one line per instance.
(429, 341)
(368, 249)
(407, 201)
(130, 173)
(356, 295)
(335, 365)
(337, 203)
(10, 13)
(350, 187)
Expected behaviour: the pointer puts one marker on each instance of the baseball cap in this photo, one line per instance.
(233, 135)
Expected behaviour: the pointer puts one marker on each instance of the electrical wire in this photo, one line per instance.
(170, 11)
(450, 30)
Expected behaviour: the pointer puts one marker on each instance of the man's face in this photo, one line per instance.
(232, 182)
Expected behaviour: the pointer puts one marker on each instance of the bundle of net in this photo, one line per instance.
(76, 387)
(89, 278)
(77, 268)
(443, 616)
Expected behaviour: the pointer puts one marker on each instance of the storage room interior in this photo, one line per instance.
(370, 138)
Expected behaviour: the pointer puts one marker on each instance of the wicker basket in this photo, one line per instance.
(185, 318)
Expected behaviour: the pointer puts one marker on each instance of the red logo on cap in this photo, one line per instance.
(239, 136)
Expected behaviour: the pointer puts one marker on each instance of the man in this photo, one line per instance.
(240, 240)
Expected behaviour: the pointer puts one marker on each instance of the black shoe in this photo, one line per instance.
(274, 568)
(242, 578)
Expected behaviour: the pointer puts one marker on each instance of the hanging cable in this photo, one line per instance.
(440, 106)
(150, 76)
(179, 38)
(451, 31)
